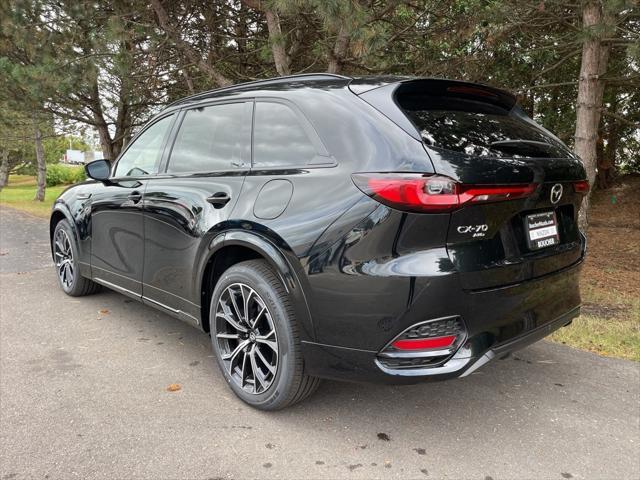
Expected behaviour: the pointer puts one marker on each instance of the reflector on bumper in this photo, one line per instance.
(424, 343)
(428, 343)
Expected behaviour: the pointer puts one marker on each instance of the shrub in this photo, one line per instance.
(58, 174)
(55, 175)
(79, 175)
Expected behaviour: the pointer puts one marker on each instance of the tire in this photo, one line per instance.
(257, 282)
(66, 263)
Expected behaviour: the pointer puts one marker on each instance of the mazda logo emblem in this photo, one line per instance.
(556, 193)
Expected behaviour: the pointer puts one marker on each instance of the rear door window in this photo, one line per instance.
(280, 138)
(467, 120)
(213, 138)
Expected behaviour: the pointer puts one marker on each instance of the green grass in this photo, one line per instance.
(610, 325)
(20, 193)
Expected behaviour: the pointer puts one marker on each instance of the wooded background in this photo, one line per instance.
(72, 65)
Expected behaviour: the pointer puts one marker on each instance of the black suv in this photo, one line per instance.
(320, 226)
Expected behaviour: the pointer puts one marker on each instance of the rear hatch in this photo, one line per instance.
(519, 188)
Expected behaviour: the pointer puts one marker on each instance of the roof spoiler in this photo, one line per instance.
(459, 89)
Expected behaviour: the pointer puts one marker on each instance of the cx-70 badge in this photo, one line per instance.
(477, 230)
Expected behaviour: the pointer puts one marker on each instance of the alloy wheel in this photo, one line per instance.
(247, 339)
(64, 258)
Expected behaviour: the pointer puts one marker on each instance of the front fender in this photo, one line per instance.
(77, 214)
(58, 212)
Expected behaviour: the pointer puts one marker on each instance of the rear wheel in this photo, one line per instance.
(255, 338)
(65, 253)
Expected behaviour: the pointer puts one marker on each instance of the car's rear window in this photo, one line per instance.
(470, 121)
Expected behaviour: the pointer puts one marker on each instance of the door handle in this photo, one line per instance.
(83, 196)
(219, 199)
(135, 196)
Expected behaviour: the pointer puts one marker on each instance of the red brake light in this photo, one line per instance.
(581, 186)
(424, 343)
(495, 193)
(435, 193)
(470, 90)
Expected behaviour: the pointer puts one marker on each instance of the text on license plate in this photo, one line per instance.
(539, 233)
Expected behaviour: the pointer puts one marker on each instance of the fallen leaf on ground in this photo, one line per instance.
(104, 311)
(174, 387)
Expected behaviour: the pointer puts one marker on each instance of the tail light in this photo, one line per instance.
(581, 186)
(417, 192)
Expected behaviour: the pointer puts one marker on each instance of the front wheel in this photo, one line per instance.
(65, 256)
(255, 338)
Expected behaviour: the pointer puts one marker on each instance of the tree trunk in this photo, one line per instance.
(41, 161)
(105, 141)
(123, 117)
(241, 33)
(595, 56)
(4, 169)
(188, 81)
(278, 47)
(278, 43)
(340, 49)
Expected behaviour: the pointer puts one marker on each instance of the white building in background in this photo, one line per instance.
(74, 156)
(78, 157)
(93, 155)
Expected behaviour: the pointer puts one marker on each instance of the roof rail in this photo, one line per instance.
(266, 81)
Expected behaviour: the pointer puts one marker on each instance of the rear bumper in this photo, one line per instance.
(498, 321)
(340, 363)
(523, 341)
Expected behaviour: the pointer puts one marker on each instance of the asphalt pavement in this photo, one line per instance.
(83, 394)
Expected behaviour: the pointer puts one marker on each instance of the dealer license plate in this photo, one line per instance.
(542, 230)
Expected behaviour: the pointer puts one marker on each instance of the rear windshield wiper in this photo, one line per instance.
(497, 143)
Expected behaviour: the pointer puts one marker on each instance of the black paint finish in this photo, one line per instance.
(117, 231)
(359, 272)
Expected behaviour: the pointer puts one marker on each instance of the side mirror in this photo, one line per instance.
(98, 170)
